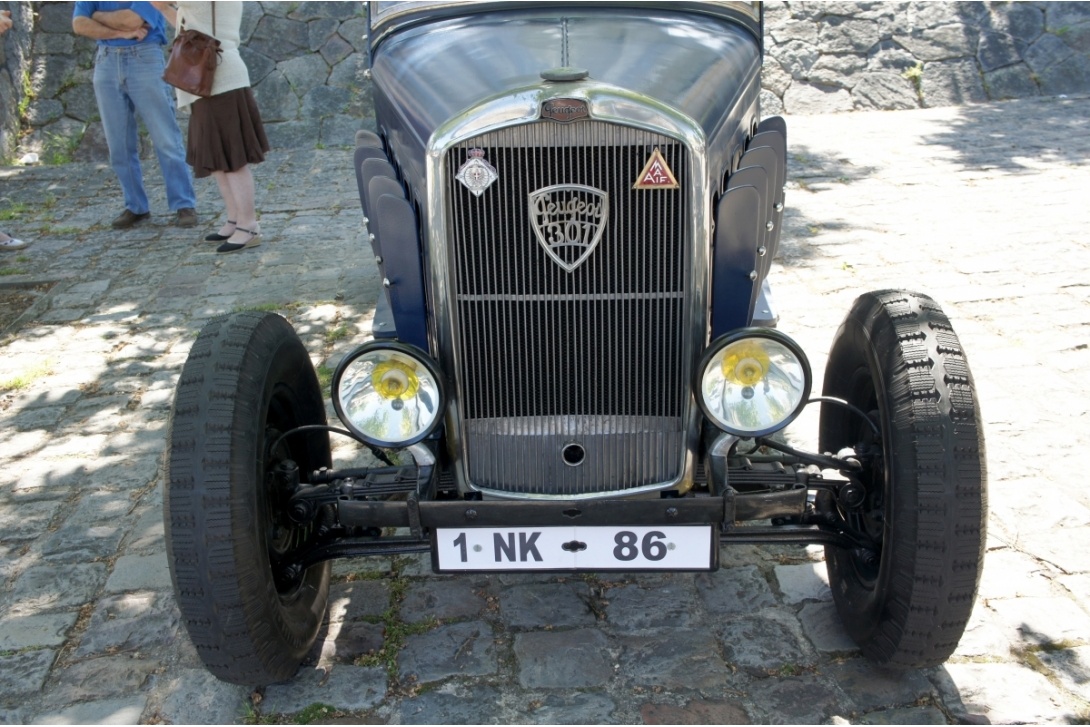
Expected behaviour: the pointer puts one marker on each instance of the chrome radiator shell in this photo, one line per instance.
(547, 362)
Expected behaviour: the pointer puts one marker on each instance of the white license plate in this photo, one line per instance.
(680, 547)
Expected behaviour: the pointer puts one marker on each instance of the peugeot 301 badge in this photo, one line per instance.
(569, 220)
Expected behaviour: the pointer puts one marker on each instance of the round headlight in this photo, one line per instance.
(753, 381)
(389, 394)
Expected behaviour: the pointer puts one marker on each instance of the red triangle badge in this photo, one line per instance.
(656, 174)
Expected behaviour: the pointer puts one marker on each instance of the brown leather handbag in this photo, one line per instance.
(193, 60)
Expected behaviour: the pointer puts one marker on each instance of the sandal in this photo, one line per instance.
(254, 241)
(10, 243)
(217, 237)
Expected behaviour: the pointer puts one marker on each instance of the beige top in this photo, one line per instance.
(231, 73)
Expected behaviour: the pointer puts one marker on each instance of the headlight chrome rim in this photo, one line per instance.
(396, 354)
(775, 337)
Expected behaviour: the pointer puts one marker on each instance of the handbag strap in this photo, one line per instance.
(181, 23)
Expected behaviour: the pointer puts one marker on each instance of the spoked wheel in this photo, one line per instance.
(907, 599)
(247, 381)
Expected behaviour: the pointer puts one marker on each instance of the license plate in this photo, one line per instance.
(679, 547)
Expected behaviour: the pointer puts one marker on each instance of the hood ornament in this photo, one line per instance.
(477, 174)
(569, 221)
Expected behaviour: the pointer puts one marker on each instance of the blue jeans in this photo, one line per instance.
(129, 81)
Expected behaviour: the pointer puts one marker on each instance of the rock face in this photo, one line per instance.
(14, 57)
(307, 62)
(840, 56)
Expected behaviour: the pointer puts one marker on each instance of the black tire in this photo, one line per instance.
(247, 380)
(897, 357)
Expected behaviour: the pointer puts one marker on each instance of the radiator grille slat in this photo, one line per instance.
(590, 357)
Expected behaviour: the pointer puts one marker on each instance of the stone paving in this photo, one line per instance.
(985, 207)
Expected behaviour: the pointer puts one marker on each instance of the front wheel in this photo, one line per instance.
(906, 600)
(247, 381)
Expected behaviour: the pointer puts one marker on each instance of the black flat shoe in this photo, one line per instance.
(217, 237)
(254, 241)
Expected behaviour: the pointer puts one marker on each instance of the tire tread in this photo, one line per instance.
(215, 571)
(939, 498)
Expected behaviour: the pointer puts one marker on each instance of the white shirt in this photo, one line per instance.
(231, 73)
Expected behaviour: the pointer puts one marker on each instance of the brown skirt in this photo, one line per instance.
(225, 133)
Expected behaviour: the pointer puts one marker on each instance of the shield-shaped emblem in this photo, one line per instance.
(569, 220)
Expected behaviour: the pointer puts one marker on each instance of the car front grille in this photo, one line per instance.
(570, 383)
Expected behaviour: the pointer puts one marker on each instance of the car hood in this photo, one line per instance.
(434, 72)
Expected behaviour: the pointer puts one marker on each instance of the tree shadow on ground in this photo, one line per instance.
(1018, 135)
(810, 171)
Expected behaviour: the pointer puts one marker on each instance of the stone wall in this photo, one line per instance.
(307, 59)
(840, 56)
(14, 60)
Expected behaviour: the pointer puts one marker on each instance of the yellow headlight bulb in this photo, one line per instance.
(745, 363)
(394, 379)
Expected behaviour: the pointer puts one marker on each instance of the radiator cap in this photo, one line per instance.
(565, 73)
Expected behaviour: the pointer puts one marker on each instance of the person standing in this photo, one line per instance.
(128, 82)
(226, 134)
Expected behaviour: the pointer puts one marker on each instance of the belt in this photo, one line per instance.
(138, 47)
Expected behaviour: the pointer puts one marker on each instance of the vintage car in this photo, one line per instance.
(575, 363)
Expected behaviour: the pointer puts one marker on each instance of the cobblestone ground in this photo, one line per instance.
(984, 207)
